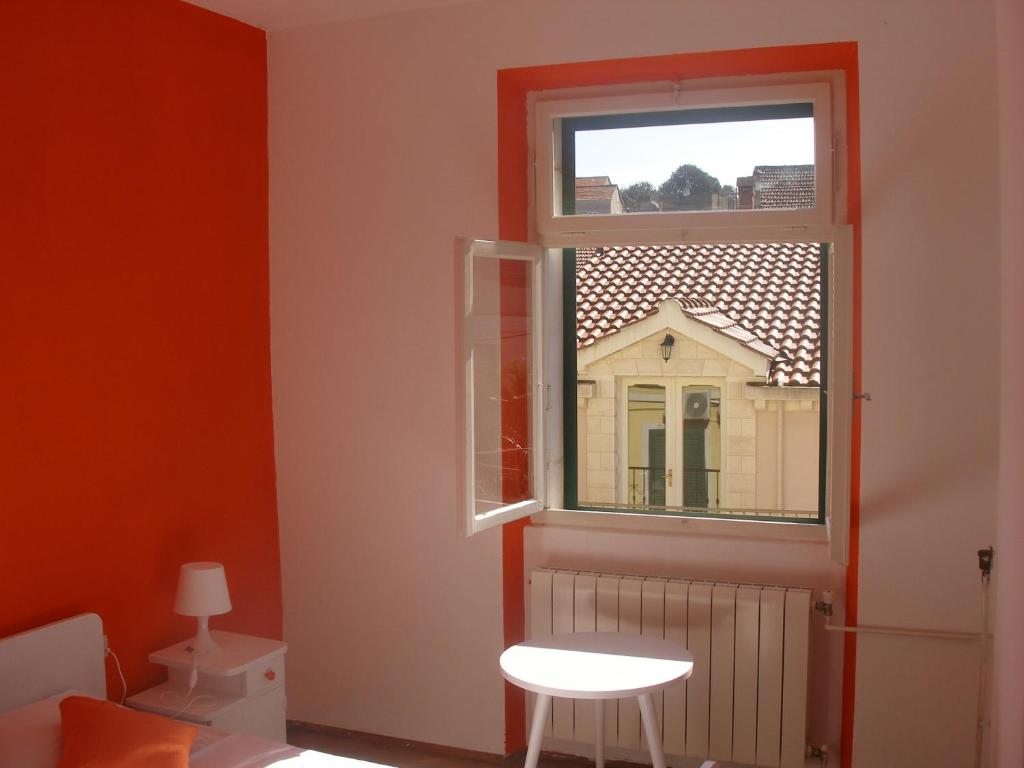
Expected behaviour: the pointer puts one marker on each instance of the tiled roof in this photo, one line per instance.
(595, 193)
(784, 186)
(766, 297)
(594, 188)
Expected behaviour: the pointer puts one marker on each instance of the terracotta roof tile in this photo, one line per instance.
(594, 192)
(766, 297)
(784, 186)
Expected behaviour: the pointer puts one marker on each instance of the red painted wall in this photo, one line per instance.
(134, 319)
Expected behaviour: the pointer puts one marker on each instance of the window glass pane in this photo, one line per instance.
(698, 372)
(499, 327)
(723, 159)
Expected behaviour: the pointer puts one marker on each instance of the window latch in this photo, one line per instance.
(862, 396)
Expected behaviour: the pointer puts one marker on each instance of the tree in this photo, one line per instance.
(729, 198)
(641, 196)
(688, 189)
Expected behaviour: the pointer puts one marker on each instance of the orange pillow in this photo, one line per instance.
(100, 734)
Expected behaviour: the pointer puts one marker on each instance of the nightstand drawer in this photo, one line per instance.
(264, 676)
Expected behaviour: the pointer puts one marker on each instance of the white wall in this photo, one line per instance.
(383, 148)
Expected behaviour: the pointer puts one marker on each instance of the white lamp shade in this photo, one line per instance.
(202, 590)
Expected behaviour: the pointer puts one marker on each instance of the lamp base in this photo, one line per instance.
(203, 643)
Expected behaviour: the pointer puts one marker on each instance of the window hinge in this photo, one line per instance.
(545, 393)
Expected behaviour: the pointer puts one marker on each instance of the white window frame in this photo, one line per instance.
(839, 389)
(825, 223)
(609, 229)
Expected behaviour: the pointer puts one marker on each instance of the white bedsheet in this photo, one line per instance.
(217, 749)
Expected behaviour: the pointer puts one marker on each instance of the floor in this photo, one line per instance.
(402, 754)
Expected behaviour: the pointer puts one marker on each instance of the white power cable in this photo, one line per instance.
(167, 698)
(124, 683)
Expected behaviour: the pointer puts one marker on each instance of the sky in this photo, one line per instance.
(725, 150)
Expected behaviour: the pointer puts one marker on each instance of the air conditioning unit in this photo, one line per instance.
(697, 405)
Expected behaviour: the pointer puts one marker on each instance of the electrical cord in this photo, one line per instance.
(124, 683)
(166, 698)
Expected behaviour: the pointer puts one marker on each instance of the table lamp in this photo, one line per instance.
(202, 592)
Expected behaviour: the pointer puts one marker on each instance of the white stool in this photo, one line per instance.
(599, 666)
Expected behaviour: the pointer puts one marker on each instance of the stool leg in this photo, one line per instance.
(650, 718)
(540, 715)
(599, 733)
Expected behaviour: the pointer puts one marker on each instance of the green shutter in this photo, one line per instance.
(656, 466)
(695, 479)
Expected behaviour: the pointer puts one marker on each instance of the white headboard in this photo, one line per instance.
(54, 658)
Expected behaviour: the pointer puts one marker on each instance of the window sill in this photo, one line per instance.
(624, 521)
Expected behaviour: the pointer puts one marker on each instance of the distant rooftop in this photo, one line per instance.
(783, 186)
(597, 194)
(594, 188)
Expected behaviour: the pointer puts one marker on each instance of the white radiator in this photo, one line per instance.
(746, 701)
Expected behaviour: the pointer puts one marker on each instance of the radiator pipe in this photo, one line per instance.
(985, 565)
(905, 631)
(985, 557)
(825, 606)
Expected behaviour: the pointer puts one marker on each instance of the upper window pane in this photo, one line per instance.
(722, 159)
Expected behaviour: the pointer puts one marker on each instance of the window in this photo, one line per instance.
(671, 437)
(704, 320)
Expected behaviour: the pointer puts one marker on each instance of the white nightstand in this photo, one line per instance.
(245, 681)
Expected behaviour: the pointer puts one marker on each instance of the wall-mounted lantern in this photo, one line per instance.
(666, 347)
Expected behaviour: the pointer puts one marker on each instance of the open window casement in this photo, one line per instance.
(839, 394)
(501, 397)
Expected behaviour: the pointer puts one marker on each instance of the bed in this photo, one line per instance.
(41, 666)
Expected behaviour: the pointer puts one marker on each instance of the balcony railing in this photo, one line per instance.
(646, 487)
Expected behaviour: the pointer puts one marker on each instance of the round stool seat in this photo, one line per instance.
(595, 665)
